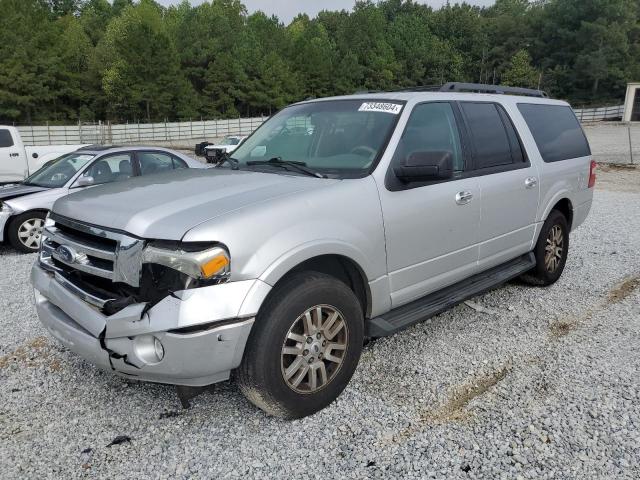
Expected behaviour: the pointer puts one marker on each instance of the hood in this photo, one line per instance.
(166, 207)
(7, 192)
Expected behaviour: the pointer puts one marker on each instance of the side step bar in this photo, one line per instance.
(434, 303)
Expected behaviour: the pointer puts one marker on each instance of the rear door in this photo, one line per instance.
(508, 181)
(150, 162)
(13, 164)
(431, 228)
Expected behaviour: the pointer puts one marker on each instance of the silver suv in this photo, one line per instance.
(338, 220)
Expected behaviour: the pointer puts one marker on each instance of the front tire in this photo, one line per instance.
(551, 251)
(25, 231)
(304, 346)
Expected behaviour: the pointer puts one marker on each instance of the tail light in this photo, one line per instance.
(592, 174)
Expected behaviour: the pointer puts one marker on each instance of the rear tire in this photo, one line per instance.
(25, 231)
(304, 347)
(551, 251)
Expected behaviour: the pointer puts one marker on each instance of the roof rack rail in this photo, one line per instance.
(420, 88)
(497, 89)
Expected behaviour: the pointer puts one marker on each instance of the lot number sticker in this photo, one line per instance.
(393, 108)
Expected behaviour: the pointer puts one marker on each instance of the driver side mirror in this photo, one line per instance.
(85, 181)
(426, 167)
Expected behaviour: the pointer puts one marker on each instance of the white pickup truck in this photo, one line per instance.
(17, 162)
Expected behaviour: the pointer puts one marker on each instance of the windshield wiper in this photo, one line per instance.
(287, 165)
(226, 158)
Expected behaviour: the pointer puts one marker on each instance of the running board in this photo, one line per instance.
(434, 303)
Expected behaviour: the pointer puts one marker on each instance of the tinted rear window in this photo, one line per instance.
(556, 131)
(5, 139)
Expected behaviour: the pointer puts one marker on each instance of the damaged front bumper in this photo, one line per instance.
(5, 215)
(193, 338)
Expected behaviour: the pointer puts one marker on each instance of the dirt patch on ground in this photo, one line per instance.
(563, 327)
(455, 408)
(624, 290)
(35, 353)
(618, 178)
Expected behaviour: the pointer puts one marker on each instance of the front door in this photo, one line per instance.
(431, 229)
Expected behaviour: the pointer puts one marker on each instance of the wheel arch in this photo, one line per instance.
(561, 201)
(339, 266)
(565, 207)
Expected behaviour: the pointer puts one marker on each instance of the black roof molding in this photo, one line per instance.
(495, 89)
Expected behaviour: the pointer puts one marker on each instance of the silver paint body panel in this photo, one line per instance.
(406, 243)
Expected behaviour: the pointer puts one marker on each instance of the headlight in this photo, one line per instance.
(212, 264)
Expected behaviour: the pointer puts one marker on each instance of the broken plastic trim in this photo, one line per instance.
(203, 327)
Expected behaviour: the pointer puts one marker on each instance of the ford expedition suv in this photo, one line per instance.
(339, 219)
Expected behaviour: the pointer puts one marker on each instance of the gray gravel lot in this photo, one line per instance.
(541, 383)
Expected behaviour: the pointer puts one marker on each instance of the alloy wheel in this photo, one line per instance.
(314, 349)
(554, 249)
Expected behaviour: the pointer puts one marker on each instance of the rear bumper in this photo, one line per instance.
(124, 343)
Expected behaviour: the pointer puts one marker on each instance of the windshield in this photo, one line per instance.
(58, 172)
(230, 141)
(337, 137)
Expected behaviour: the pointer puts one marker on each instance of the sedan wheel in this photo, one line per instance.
(25, 231)
(30, 232)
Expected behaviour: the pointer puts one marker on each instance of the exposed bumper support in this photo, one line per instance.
(219, 320)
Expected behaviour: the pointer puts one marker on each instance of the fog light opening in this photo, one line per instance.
(149, 349)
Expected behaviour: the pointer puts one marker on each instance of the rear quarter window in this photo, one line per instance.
(556, 131)
(5, 138)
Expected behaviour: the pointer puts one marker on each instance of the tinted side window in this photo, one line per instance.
(155, 162)
(5, 139)
(517, 151)
(490, 139)
(114, 168)
(179, 163)
(556, 131)
(431, 128)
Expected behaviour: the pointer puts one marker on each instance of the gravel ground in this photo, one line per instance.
(519, 383)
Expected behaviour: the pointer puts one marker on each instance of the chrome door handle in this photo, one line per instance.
(462, 198)
(531, 182)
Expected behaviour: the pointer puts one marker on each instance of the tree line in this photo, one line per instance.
(69, 60)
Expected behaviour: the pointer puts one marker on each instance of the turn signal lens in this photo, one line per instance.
(214, 266)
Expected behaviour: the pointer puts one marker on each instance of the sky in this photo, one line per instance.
(287, 9)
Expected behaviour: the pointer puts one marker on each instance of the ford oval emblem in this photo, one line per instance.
(66, 254)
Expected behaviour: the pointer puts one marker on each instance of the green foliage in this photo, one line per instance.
(520, 73)
(70, 60)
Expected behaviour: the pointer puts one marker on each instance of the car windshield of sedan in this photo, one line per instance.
(337, 138)
(58, 172)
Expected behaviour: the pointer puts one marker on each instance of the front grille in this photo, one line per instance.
(72, 246)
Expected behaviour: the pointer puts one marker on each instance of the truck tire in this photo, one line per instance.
(304, 346)
(551, 251)
(25, 231)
